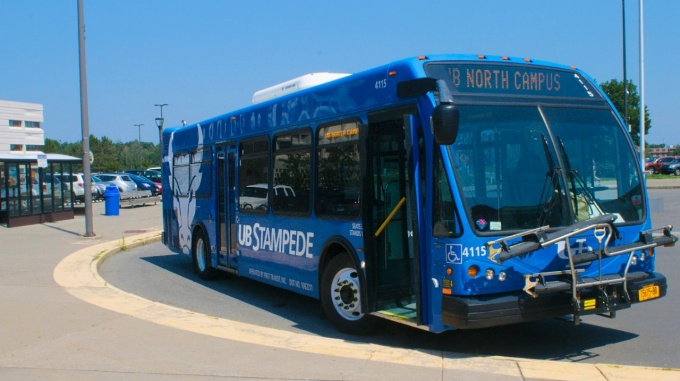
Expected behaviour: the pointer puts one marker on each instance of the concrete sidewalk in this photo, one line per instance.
(61, 321)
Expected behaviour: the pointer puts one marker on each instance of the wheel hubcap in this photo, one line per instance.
(345, 294)
(200, 254)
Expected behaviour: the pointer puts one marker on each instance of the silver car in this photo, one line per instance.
(121, 180)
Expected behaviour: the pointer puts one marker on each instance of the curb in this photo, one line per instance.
(78, 274)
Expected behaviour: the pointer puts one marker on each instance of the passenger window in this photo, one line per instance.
(253, 175)
(338, 170)
(292, 166)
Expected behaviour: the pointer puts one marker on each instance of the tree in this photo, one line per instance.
(106, 155)
(614, 90)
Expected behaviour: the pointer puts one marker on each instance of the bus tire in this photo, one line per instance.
(341, 296)
(201, 256)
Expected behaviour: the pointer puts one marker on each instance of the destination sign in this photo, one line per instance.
(521, 80)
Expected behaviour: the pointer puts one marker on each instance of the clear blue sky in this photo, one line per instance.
(207, 57)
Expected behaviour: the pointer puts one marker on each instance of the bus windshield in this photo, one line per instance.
(522, 167)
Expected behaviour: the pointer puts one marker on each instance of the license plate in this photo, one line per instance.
(648, 292)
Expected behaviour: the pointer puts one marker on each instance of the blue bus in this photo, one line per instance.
(442, 192)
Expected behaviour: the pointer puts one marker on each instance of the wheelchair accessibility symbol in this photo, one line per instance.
(454, 253)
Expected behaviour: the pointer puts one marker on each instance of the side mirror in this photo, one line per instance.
(445, 116)
(445, 120)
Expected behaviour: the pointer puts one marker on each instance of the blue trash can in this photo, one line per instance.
(111, 201)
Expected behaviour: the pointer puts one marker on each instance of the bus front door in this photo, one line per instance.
(389, 235)
(226, 206)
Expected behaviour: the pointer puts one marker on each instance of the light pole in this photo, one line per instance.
(85, 123)
(139, 127)
(139, 142)
(159, 123)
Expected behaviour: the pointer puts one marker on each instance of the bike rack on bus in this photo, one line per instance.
(570, 279)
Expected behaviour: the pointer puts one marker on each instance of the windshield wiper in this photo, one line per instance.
(551, 180)
(578, 187)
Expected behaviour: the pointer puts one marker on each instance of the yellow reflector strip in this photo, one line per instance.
(589, 304)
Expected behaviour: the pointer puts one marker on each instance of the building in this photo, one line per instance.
(20, 127)
(31, 186)
(661, 151)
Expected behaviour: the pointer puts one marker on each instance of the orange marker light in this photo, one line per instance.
(392, 73)
(473, 271)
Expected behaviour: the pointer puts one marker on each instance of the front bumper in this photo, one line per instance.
(470, 312)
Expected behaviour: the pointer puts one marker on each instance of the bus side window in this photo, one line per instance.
(253, 176)
(338, 182)
(291, 177)
(181, 174)
(444, 216)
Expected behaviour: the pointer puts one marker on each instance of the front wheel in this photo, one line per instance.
(201, 257)
(341, 296)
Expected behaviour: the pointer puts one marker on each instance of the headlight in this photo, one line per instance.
(502, 276)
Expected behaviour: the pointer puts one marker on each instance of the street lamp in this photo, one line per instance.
(159, 123)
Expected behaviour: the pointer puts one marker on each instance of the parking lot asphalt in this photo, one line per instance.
(61, 321)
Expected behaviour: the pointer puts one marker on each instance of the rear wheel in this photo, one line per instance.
(341, 296)
(201, 257)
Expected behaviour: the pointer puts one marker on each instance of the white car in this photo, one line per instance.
(256, 196)
(76, 183)
(121, 180)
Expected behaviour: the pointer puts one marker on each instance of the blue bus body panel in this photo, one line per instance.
(285, 252)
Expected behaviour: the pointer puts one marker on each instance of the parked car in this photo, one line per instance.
(76, 184)
(656, 165)
(100, 185)
(46, 185)
(256, 196)
(671, 168)
(145, 184)
(151, 174)
(121, 180)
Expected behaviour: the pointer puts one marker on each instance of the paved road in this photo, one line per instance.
(147, 271)
(61, 321)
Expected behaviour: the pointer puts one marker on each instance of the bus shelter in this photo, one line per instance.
(32, 190)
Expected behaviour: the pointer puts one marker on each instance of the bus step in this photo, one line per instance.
(403, 315)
